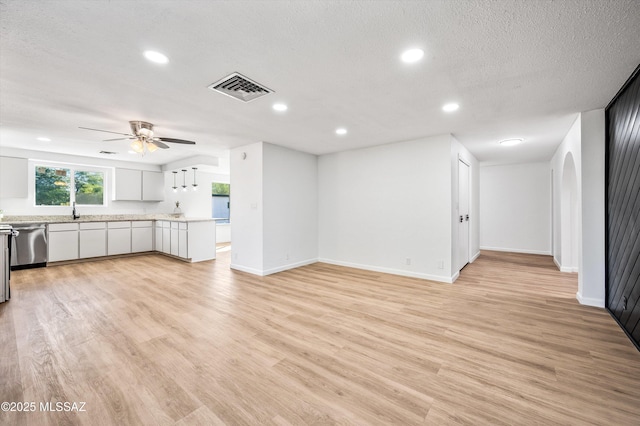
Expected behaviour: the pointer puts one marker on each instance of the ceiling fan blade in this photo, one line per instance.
(172, 140)
(160, 144)
(106, 131)
(116, 139)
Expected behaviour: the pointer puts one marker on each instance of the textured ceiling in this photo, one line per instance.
(517, 69)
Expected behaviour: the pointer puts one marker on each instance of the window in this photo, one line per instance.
(220, 197)
(60, 186)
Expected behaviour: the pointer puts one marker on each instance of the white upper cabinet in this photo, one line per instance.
(138, 185)
(128, 185)
(152, 186)
(13, 177)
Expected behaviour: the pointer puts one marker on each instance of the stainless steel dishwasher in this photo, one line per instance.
(29, 247)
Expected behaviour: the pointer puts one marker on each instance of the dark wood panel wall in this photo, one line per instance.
(623, 207)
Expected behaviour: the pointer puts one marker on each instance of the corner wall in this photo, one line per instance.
(389, 208)
(585, 143)
(274, 214)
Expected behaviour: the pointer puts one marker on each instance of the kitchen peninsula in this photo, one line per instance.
(92, 237)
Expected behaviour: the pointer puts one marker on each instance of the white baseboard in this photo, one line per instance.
(474, 257)
(440, 278)
(570, 269)
(270, 271)
(590, 301)
(246, 269)
(514, 250)
(289, 266)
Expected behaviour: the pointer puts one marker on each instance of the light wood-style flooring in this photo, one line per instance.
(154, 341)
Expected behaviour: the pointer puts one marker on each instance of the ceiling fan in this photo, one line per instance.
(143, 137)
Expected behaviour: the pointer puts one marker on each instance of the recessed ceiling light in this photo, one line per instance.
(131, 152)
(341, 131)
(511, 142)
(156, 57)
(450, 107)
(412, 55)
(279, 107)
(43, 139)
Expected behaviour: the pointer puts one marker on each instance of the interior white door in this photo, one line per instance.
(463, 214)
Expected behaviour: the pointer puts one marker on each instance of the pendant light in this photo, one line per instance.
(195, 185)
(175, 187)
(184, 179)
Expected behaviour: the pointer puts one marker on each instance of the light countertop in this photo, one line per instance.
(16, 220)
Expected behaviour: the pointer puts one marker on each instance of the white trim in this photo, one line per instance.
(430, 277)
(513, 250)
(561, 268)
(590, 301)
(247, 269)
(277, 269)
(474, 257)
(289, 266)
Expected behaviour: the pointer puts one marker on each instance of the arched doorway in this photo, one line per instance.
(569, 224)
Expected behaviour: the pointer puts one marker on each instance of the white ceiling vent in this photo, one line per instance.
(240, 87)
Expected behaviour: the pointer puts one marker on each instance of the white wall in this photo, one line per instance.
(515, 206)
(247, 209)
(591, 289)
(380, 206)
(192, 203)
(585, 143)
(570, 145)
(274, 211)
(290, 197)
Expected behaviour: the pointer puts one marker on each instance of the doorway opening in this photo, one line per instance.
(569, 222)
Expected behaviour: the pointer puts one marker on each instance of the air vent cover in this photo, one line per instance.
(240, 87)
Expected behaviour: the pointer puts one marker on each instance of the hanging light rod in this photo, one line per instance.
(184, 179)
(195, 185)
(175, 187)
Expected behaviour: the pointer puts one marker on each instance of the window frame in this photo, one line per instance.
(73, 168)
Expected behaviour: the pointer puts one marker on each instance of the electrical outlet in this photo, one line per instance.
(286, 256)
(235, 256)
(440, 264)
(407, 261)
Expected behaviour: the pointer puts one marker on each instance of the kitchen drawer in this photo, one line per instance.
(166, 224)
(93, 225)
(142, 224)
(183, 225)
(174, 225)
(55, 227)
(119, 225)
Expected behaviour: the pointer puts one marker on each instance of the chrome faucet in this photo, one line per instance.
(75, 216)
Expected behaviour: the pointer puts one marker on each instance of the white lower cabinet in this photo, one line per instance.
(157, 241)
(193, 241)
(93, 239)
(118, 238)
(141, 236)
(183, 247)
(63, 242)
(166, 237)
(175, 250)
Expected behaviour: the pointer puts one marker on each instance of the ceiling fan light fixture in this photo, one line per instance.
(138, 146)
(151, 147)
